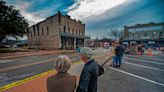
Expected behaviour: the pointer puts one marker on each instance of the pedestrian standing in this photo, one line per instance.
(113, 54)
(119, 53)
(90, 72)
(62, 81)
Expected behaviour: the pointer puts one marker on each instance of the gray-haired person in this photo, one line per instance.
(62, 81)
(90, 72)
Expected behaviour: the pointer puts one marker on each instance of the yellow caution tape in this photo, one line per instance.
(8, 86)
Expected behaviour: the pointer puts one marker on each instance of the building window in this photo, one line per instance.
(34, 30)
(72, 31)
(47, 30)
(79, 32)
(160, 34)
(68, 30)
(38, 29)
(138, 36)
(64, 29)
(42, 32)
(31, 34)
(145, 34)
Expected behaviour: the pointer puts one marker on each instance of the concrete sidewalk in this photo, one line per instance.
(37, 83)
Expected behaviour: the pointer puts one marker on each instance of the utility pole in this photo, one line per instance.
(97, 40)
(97, 35)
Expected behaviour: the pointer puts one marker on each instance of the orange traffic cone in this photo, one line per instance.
(150, 53)
(139, 53)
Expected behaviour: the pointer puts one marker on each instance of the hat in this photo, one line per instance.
(86, 51)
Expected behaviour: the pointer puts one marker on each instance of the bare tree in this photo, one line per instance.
(118, 34)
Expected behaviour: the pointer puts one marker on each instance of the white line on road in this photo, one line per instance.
(139, 77)
(7, 61)
(143, 66)
(146, 57)
(153, 62)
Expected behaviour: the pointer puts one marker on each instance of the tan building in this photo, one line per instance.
(57, 32)
(105, 42)
(150, 33)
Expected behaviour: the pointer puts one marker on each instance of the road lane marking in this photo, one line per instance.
(153, 62)
(7, 61)
(139, 77)
(143, 66)
(145, 57)
(25, 65)
(17, 83)
(8, 86)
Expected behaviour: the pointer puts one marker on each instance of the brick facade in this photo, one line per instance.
(57, 32)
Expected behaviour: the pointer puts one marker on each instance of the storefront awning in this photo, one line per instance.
(74, 36)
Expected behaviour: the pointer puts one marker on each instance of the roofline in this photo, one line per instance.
(56, 15)
(151, 24)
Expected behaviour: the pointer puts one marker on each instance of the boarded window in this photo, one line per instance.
(64, 29)
(73, 31)
(34, 30)
(42, 32)
(31, 34)
(38, 29)
(47, 30)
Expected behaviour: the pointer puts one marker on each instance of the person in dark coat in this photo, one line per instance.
(62, 81)
(90, 72)
(119, 53)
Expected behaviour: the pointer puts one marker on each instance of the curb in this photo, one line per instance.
(8, 86)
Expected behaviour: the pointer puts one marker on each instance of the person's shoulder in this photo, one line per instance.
(50, 77)
(73, 77)
(49, 80)
(94, 64)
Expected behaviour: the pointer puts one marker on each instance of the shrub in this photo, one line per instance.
(5, 50)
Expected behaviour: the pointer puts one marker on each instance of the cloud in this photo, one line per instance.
(98, 15)
(36, 11)
(83, 9)
(130, 12)
(23, 6)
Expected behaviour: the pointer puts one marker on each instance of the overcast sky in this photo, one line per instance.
(98, 15)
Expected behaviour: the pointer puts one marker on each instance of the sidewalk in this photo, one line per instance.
(32, 53)
(38, 82)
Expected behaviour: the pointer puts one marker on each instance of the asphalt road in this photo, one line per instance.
(12, 70)
(137, 74)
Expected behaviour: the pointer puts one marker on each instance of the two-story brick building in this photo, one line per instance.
(57, 32)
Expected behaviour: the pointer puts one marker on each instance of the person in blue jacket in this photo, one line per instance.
(119, 51)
